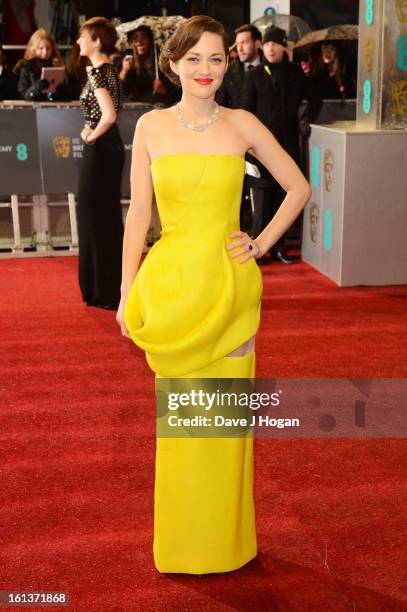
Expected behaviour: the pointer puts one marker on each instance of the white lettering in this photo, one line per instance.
(220, 420)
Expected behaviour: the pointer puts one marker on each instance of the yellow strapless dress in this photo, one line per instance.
(190, 305)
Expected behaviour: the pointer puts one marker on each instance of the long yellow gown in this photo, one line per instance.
(190, 305)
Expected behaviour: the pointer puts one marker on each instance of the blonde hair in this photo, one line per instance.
(31, 50)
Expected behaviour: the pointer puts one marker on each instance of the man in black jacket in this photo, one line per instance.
(230, 94)
(248, 43)
(274, 92)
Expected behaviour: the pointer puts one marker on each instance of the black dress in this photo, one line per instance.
(100, 225)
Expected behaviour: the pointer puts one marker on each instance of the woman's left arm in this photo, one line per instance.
(108, 117)
(263, 145)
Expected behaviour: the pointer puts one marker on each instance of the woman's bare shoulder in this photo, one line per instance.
(152, 122)
(237, 115)
(156, 114)
(241, 122)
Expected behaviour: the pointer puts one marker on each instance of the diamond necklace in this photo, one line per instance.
(203, 126)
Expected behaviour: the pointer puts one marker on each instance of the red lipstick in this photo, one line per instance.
(204, 81)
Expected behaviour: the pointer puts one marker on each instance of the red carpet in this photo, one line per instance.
(77, 442)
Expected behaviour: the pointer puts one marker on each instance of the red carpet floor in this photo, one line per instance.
(77, 444)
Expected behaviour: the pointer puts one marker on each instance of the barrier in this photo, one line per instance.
(61, 147)
(20, 167)
(41, 153)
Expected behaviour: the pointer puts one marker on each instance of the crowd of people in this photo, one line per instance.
(260, 78)
(264, 81)
(137, 66)
(141, 78)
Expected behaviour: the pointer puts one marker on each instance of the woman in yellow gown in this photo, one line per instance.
(194, 303)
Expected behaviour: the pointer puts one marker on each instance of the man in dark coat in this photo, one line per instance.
(230, 93)
(248, 43)
(274, 92)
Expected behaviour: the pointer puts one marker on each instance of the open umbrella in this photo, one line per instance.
(295, 27)
(333, 33)
(162, 28)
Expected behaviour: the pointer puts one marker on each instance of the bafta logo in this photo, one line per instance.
(399, 97)
(368, 48)
(328, 169)
(314, 218)
(401, 10)
(62, 146)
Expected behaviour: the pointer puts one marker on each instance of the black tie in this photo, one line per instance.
(250, 67)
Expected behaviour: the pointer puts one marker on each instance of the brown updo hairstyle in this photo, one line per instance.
(101, 28)
(185, 37)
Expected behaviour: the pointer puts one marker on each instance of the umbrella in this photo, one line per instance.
(162, 28)
(295, 27)
(333, 33)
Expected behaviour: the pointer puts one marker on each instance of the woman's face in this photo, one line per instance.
(44, 49)
(87, 46)
(140, 42)
(203, 66)
(328, 53)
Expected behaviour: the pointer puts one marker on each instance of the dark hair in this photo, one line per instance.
(142, 28)
(185, 37)
(248, 27)
(100, 27)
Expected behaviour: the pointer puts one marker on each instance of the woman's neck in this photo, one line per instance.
(97, 59)
(196, 109)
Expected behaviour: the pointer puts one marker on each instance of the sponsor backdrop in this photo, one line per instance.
(41, 150)
(60, 148)
(19, 156)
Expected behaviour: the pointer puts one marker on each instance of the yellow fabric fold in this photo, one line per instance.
(191, 303)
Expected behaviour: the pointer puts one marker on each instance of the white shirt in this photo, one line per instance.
(255, 62)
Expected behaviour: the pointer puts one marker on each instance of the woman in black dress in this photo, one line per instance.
(100, 224)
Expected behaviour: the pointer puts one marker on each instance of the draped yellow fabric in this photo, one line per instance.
(190, 305)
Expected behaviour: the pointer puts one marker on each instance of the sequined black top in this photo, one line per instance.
(105, 76)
